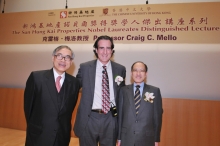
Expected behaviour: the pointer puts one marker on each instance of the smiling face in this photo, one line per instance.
(104, 51)
(61, 65)
(138, 73)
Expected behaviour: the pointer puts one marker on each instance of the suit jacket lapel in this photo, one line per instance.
(49, 77)
(66, 86)
(92, 72)
(114, 73)
(130, 95)
(142, 99)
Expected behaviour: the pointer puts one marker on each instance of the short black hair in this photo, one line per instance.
(146, 68)
(103, 37)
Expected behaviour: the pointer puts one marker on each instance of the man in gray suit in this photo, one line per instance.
(140, 111)
(95, 122)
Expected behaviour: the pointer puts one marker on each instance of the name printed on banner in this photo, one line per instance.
(125, 24)
(141, 38)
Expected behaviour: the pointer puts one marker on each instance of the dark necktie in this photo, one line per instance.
(137, 98)
(58, 86)
(105, 91)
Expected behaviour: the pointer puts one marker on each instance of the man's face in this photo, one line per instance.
(61, 65)
(138, 73)
(104, 51)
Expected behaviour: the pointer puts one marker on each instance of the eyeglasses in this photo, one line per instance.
(66, 58)
(136, 71)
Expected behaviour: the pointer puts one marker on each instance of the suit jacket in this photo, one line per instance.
(86, 76)
(49, 123)
(143, 129)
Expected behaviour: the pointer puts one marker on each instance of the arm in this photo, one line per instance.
(29, 96)
(158, 111)
(120, 112)
(79, 76)
(118, 143)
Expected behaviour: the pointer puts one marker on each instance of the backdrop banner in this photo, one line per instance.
(152, 23)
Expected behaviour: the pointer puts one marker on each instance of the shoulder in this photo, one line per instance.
(88, 63)
(114, 64)
(127, 87)
(152, 88)
(40, 72)
(70, 77)
(38, 76)
(117, 64)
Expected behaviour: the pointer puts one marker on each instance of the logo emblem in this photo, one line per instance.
(63, 14)
(105, 11)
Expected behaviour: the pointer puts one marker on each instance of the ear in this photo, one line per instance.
(146, 74)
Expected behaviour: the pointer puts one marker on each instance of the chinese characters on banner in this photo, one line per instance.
(158, 23)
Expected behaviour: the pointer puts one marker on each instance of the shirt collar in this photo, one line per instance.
(141, 85)
(99, 64)
(56, 74)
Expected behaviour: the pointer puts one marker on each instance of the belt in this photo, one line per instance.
(98, 111)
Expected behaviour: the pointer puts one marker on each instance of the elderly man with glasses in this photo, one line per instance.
(49, 100)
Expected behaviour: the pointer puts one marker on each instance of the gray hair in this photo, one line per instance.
(61, 47)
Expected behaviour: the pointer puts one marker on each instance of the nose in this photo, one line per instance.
(63, 59)
(105, 51)
(138, 72)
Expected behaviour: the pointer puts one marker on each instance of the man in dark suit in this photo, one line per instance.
(49, 99)
(140, 111)
(95, 123)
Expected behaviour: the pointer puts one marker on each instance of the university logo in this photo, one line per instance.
(105, 11)
(63, 14)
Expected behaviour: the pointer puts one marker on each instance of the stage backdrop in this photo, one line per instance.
(173, 23)
(180, 43)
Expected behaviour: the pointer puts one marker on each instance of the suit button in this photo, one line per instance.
(136, 121)
(55, 130)
(88, 115)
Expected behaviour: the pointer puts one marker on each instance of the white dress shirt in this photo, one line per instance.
(97, 100)
(56, 75)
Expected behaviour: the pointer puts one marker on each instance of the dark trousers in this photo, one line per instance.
(101, 129)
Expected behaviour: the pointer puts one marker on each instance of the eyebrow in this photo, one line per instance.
(62, 54)
(104, 47)
(137, 69)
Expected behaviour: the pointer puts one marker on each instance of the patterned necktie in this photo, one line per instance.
(58, 83)
(137, 98)
(105, 91)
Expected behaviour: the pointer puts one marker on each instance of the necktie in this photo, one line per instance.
(105, 91)
(137, 98)
(58, 86)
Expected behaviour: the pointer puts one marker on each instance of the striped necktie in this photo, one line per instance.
(137, 98)
(105, 91)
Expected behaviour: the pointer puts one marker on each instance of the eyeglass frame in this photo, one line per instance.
(60, 55)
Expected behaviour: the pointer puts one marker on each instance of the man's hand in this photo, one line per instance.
(118, 143)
